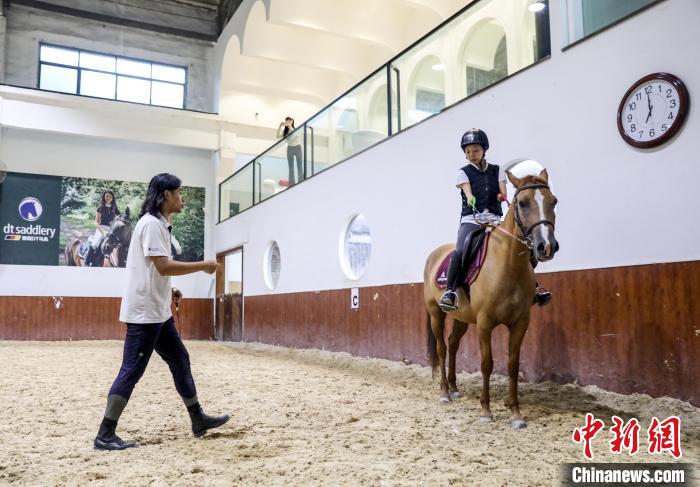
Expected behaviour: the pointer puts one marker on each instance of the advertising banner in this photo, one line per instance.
(30, 218)
(53, 220)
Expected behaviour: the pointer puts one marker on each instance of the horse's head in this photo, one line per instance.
(533, 206)
(119, 234)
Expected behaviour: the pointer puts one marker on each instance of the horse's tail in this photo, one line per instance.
(432, 345)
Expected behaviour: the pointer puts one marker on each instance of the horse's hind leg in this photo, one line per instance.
(515, 340)
(486, 368)
(437, 325)
(458, 331)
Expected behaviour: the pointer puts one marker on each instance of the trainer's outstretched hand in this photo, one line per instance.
(177, 295)
(210, 266)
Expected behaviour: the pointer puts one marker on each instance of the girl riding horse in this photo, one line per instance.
(502, 293)
(482, 186)
(106, 213)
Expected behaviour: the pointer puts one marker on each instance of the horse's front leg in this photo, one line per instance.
(484, 328)
(515, 340)
(458, 331)
(113, 260)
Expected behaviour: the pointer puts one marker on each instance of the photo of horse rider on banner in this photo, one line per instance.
(53, 220)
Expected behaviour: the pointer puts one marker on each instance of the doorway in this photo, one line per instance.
(229, 297)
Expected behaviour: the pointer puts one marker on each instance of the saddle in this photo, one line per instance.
(473, 259)
(84, 248)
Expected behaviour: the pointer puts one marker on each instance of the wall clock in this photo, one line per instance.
(653, 110)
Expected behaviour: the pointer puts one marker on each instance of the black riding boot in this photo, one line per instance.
(107, 439)
(542, 296)
(448, 301)
(202, 422)
(90, 257)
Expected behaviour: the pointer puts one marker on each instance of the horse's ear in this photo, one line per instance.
(513, 180)
(544, 176)
(128, 213)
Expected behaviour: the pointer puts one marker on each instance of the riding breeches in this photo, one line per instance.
(97, 237)
(455, 268)
(141, 340)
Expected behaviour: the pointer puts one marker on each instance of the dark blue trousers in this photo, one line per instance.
(141, 340)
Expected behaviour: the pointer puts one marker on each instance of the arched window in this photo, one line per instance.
(427, 87)
(485, 56)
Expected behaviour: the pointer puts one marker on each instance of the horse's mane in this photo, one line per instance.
(532, 179)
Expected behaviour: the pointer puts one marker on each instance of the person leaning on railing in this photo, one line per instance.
(286, 128)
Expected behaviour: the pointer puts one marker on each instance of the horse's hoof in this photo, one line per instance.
(454, 395)
(444, 400)
(518, 424)
(486, 419)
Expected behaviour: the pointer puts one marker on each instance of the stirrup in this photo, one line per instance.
(542, 297)
(448, 301)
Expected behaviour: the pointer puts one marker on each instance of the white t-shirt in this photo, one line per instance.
(148, 294)
(294, 138)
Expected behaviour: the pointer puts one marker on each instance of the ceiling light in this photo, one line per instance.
(438, 67)
(536, 7)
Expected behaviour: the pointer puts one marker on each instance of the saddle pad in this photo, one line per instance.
(474, 267)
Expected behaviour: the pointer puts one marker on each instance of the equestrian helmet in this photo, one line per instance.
(475, 136)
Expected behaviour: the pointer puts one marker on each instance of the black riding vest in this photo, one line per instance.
(484, 188)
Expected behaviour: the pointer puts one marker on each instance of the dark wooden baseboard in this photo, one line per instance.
(625, 329)
(81, 318)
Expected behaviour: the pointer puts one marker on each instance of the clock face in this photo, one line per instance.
(652, 110)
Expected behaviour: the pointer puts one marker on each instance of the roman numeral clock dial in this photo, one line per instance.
(652, 110)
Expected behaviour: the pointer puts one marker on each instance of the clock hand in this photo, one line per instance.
(650, 108)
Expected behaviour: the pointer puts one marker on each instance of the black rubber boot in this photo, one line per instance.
(202, 422)
(108, 440)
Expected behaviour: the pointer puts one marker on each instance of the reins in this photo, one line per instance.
(526, 231)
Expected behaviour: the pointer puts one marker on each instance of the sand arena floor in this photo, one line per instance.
(299, 418)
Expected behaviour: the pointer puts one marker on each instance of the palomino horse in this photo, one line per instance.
(502, 293)
(114, 246)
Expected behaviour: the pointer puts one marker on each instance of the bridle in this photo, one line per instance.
(526, 240)
(528, 230)
(114, 240)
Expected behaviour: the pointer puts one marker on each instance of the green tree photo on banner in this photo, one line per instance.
(188, 226)
(80, 200)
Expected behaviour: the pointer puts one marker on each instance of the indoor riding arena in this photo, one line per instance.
(298, 160)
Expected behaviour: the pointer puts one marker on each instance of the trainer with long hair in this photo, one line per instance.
(146, 311)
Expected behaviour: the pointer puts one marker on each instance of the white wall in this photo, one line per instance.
(561, 113)
(27, 27)
(277, 58)
(71, 155)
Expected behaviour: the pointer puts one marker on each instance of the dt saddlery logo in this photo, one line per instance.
(30, 209)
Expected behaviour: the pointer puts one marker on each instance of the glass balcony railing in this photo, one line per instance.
(349, 125)
(482, 44)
